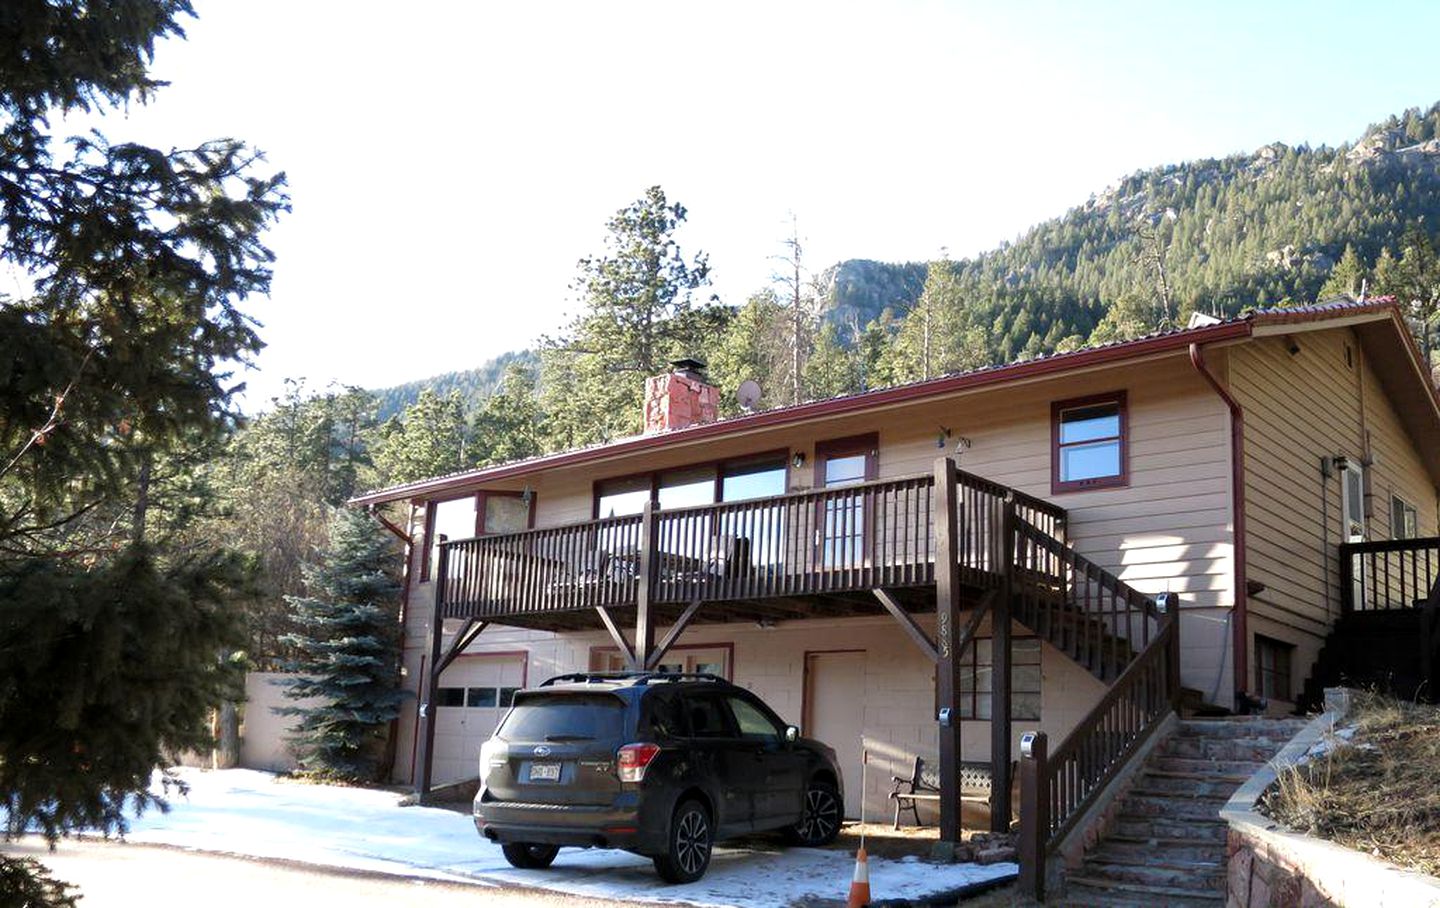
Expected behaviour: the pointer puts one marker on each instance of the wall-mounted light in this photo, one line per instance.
(798, 460)
(942, 438)
(527, 494)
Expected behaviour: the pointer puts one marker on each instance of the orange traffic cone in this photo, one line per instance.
(860, 885)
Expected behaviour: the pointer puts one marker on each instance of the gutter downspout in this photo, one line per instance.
(1240, 632)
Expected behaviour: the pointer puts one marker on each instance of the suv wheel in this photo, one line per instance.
(687, 852)
(530, 857)
(820, 823)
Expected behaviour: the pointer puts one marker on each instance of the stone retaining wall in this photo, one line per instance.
(1272, 868)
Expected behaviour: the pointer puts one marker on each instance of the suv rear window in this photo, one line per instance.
(550, 717)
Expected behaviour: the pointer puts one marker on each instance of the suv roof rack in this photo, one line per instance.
(634, 678)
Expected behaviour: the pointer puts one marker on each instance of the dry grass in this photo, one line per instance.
(1378, 793)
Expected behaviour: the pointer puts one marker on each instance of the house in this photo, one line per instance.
(936, 568)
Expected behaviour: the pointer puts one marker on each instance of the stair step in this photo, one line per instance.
(1201, 766)
(1191, 877)
(1138, 805)
(1146, 791)
(1190, 829)
(1189, 783)
(1141, 894)
(1123, 849)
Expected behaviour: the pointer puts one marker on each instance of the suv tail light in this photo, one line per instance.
(633, 759)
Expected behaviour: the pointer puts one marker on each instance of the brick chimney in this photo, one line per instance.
(679, 398)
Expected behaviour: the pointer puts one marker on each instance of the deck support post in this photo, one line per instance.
(948, 646)
(645, 590)
(432, 683)
(1001, 657)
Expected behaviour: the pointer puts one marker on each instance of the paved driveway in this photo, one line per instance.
(256, 814)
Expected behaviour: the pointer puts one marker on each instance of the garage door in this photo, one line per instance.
(475, 691)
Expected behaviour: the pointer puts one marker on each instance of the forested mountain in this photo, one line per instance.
(1246, 230)
(473, 385)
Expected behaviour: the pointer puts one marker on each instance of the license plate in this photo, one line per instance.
(544, 772)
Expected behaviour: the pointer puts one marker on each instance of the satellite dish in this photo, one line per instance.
(748, 394)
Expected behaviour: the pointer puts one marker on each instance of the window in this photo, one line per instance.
(733, 480)
(1272, 668)
(1404, 521)
(482, 697)
(977, 674)
(1089, 436)
(754, 725)
(453, 519)
(708, 718)
(450, 696)
(1352, 500)
(481, 514)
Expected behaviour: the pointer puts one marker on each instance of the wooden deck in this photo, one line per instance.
(822, 544)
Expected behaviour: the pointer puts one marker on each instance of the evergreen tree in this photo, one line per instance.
(429, 439)
(935, 338)
(832, 369)
(510, 425)
(754, 347)
(348, 650)
(639, 315)
(1347, 278)
(1414, 280)
(135, 262)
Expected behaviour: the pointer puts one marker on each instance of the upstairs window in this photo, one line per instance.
(1089, 443)
(1404, 520)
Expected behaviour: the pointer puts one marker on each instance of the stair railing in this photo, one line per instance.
(1108, 626)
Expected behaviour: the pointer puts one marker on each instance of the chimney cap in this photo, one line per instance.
(687, 364)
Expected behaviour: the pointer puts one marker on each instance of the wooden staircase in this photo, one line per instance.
(1167, 845)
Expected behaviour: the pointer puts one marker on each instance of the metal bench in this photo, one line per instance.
(924, 785)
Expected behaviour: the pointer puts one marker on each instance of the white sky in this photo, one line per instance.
(449, 162)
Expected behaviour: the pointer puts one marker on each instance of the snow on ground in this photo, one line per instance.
(245, 812)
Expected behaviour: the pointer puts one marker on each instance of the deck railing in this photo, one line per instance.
(842, 539)
(1388, 575)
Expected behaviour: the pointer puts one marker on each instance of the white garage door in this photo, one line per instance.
(475, 691)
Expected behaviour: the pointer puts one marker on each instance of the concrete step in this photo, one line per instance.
(1241, 727)
(1203, 766)
(1139, 803)
(1203, 877)
(1081, 890)
(1189, 783)
(1250, 750)
(1121, 849)
(1190, 829)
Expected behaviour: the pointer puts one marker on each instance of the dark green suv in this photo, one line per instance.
(660, 764)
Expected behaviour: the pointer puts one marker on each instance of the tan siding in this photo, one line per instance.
(1299, 409)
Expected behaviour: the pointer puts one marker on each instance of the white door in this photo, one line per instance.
(475, 692)
(1352, 523)
(835, 688)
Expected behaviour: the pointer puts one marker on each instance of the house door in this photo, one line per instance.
(838, 463)
(835, 713)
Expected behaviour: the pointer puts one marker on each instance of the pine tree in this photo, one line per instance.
(754, 348)
(511, 425)
(639, 315)
(430, 438)
(348, 650)
(1414, 280)
(1347, 278)
(935, 337)
(134, 263)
